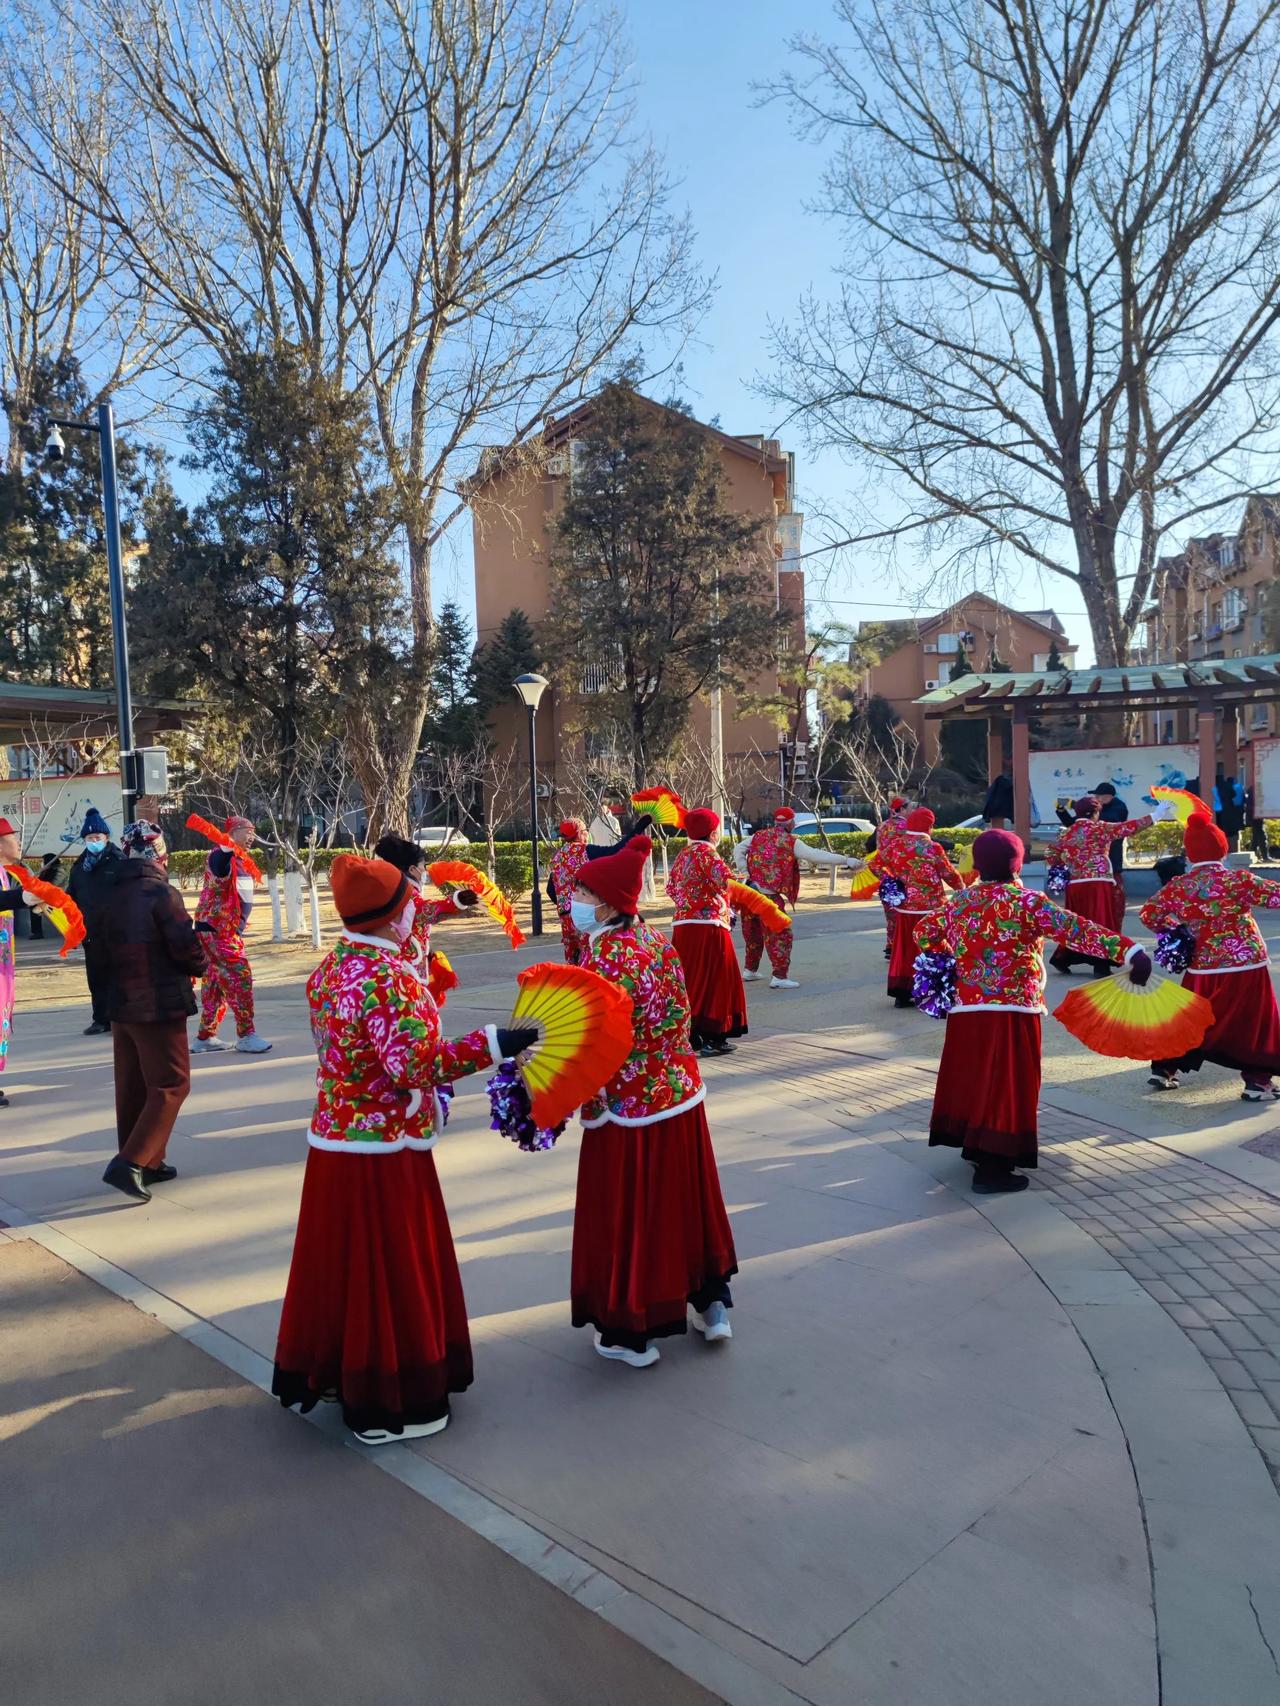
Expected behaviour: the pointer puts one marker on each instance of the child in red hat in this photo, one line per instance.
(650, 1234)
(374, 1317)
(1228, 965)
(698, 888)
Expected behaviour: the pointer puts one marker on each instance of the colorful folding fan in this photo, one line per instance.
(1157, 1020)
(663, 805)
(220, 838)
(585, 1035)
(745, 899)
(461, 875)
(441, 977)
(66, 915)
(866, 882)
(1185, 805)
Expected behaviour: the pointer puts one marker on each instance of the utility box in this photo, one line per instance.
(152, 771)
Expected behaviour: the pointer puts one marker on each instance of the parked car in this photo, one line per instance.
(807, 824)
(438, 835)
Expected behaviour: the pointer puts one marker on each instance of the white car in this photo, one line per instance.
(807, 824)
(438, 835)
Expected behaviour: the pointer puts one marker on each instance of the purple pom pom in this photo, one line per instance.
(1174, 949)
(512, 1112)
(933, 984)
(1056, 879)
(893, 892)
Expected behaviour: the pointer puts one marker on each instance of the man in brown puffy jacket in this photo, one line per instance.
(150, 953)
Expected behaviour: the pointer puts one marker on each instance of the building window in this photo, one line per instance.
(1226, 553)
(1261, 717)
(1232, 607)
(948, 643)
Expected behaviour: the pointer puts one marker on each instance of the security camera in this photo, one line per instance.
(54, 447)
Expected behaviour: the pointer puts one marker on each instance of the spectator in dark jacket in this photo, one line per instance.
(93, 871)
(151, 953)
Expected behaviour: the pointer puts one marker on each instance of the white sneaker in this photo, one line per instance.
(633, 1359)
(252, 1044)
(752, 976)
(783, 983)
(712, 1323)
(209, 1045)
(412, 1430)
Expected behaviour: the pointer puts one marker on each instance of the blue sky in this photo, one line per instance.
(746, 178)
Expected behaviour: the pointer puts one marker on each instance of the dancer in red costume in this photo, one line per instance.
(374, 1317)
(773, 868)
(651, 1238)
(881, 838)
(226, 900)
(921, 866)
(1228, 965)
(1085, 849)
(988, 1087)
(408, 857)
(567, 860)
(698, 889)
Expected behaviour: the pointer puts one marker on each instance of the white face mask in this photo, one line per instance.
(583, 915)
(96, 843)
(402, 927)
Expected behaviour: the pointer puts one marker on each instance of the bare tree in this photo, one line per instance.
(880, 763)
(442, 200)
(1056, 328)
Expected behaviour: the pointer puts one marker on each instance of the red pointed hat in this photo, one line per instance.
(1203, 840)
(701, 823)
(921, 819)
(619, 877)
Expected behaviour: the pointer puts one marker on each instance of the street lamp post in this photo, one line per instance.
(531, 688)
(54, 451)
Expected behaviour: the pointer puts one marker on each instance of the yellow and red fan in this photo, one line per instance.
(866, 882)
(67, 917)
(461, 875)
(441, 977)
(1157, 1020)
(220, 838)
(663, 805)
(584, 1035)
(770, 914)
(1185, 805)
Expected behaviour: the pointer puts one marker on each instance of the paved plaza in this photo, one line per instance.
(961, 1451)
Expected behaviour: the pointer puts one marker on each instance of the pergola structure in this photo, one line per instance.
(1214, 689)
(29, 712)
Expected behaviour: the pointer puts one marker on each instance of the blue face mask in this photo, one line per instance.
(583, 915)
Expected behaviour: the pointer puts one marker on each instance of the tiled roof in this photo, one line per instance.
(1227, 678)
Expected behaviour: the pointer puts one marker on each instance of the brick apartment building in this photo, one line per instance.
(513, 513)
(927, 650)
(1216, 601)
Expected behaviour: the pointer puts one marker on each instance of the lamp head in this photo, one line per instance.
(531, 688)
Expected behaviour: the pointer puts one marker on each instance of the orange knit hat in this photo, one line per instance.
(367, 892)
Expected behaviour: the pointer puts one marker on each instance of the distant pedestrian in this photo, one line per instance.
(151, 953)
(92, 872)
(1114, 810)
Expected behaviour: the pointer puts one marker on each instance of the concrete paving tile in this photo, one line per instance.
(932, 1642)
(1254, 1409)
(1232, 1375)
(1211, 1647)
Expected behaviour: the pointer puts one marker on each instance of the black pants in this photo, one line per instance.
(96, 973)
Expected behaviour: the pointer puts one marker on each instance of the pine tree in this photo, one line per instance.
(454, 719)
(512, 651)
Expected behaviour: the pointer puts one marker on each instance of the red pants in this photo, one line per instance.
(153, 1080)
(576, 945)
(228, 982)
(757, 940)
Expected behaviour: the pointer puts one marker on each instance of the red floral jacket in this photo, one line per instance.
(225, 902)
(1216, 906)
(772, 864)
(922, 866)
(562, 873)
(660, 1076)
(1085, 847)
(995, 931)
(427, 910)
(698, 886)
(377, 1033)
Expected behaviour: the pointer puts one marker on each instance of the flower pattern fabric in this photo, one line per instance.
(772, 864)
(562, 873)
(381, 1055)
(660, 1075)
(698, 885)
(1085, 847)
(1216, 905)
(921, 866)
(427, 910)
(994, 931)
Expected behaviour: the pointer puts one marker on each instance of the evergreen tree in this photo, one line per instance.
(654, 578)
(512, 651)
(454, 719)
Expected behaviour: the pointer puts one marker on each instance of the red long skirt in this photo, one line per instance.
(1245, 1034)
(650, 1231)
(1095, 901)
(988, 1090)
(717, 999)
(902, 958)
(374, 1310)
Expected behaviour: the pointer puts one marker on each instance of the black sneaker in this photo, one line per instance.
(158, 1175)
(97, 1030)
(994, 1184)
